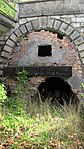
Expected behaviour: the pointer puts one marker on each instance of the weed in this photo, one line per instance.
(40, 125)
(44, 127)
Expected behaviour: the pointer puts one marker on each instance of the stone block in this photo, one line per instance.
(75, 82)
(35, 24)
(74, 19)
(23, 29)
(18, 32)
(50, 22)
(76, 25)
(42, 22)
(82, 60)
(63, 27)
(57, 24)
(80, 19)
(10, 42)
(29, 26)
(82, 54)
(5, 54)
(81, 47)
(7, 48)
(13, 37)
(3, 60)
(69, 30)
(79, 40)
(22, 21)
(67, 20)
(74, 35)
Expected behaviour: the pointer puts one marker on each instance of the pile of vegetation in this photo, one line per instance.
(38, 125)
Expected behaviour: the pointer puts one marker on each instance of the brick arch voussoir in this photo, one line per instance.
(45, 23)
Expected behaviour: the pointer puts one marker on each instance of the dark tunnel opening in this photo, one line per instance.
(56, 90)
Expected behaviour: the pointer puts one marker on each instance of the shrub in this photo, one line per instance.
(3, 93)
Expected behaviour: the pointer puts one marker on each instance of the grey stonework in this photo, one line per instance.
(57, 24)
(79, 41)
(63, 27)
(82, 54)
(69, 30)
(74, 35)
(29, 26)
(13, 37)
(18, 32)
(42, 22)
(59, 16)
(23, 29)
(46, 23)
(42, 8)
(3, 60)
(70, 19)
(76, 82)
(35, 24)
(50, 22)
(10, 43)
(7, 48)
(5, 54)
(81, 47)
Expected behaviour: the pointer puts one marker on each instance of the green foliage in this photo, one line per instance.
(3, 93)
(83, 88)
(16, 104)
(22, 77)
(6, 9)
(43, 126)
(59, 129)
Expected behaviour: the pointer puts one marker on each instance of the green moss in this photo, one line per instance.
(6, 9)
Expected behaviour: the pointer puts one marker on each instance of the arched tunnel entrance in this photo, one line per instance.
(56, 90)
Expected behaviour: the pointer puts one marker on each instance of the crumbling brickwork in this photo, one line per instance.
(64, 53)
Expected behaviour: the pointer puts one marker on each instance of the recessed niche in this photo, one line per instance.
(44, 50)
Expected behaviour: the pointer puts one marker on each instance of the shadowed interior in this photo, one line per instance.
(56, 90)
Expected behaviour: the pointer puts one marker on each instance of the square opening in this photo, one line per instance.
(44, 50)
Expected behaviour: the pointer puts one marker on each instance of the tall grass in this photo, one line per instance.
(41, 125)
(28, 123)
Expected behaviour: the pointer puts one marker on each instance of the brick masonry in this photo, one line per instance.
(64, 53)
(68, 20)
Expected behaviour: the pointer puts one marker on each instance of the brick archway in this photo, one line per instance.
(43, 23)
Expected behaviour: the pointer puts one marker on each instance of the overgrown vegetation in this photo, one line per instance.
(38, 125)
(6, 9)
